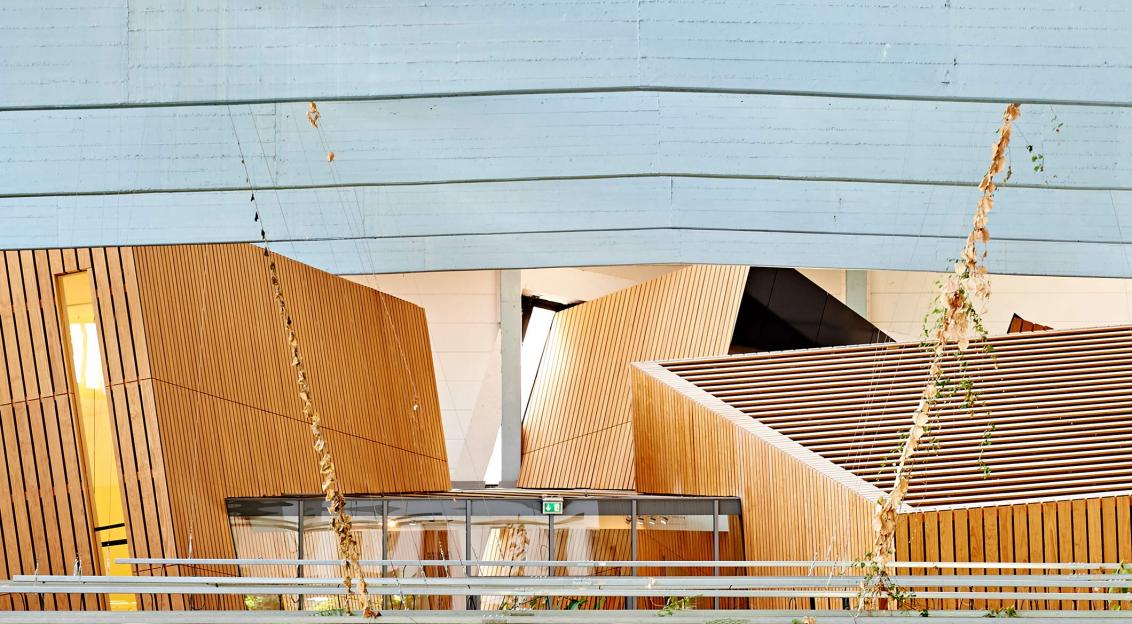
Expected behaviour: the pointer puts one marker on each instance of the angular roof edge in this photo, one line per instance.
(812, 460)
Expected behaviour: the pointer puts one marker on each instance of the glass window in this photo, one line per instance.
(320, 542)
(267, 529)
(510, 530)
(427, 529)
(88, 387)
(731, 548)
(675, 530)
(597, 530)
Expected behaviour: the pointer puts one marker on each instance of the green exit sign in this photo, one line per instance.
(552, 506)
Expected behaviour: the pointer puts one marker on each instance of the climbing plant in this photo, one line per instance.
(948, 328)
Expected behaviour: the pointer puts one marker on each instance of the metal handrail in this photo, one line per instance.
(898, 565)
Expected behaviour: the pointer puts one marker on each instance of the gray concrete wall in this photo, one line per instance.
(540, 133)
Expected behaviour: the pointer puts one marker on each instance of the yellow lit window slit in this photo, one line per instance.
(88, 386)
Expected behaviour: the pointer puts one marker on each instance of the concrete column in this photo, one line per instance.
(857, 291)
(510, 348)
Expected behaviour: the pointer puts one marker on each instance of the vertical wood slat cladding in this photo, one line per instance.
(226, 395)
(791, 509)
(691, 442)
(1093, 530)
(577, 429)
(44, 503)
(203, 401)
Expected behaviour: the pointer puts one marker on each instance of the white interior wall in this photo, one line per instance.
(568, 285)
(898, 300)
(462, 311)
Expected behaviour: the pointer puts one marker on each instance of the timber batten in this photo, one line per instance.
(577, 429)
(201, 400)
(1058, 488)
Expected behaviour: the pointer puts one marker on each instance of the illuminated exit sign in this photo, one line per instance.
(552, 506)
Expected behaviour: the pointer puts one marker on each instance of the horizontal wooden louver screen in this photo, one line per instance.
(1058, 401)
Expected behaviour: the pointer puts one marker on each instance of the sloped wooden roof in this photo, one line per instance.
(1059, 402)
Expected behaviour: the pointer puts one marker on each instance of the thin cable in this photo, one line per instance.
(341, 522)
(367, 258)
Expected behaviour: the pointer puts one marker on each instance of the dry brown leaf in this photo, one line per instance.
(313, 115)
(967, 284)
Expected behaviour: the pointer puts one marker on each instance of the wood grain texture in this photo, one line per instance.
(764, 427)
(577, 430)
(794, 508)
(1053, 403)
(230, 418)
(202, 398)
(1092, 530)
(45, 504)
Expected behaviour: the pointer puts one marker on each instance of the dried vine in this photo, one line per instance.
(349, 549)
(953, 321)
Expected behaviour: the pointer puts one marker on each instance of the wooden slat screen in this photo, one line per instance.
(44, 502)
(1093, 530)
(203, 400)
(577, 430)
(230, 418)
(1058, 402)
(792, 509)
(1019, 324)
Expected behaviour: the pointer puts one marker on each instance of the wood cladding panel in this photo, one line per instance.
(230, 419)
(202, 400)
(1058, 403)
(44, 502)
(1094, 530)
(577, 429)
(792, 509)
(692, 442)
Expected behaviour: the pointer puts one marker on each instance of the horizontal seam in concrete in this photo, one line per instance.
(562, 178)
(911, 97)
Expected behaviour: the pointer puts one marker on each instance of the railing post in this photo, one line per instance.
(300, 551)
(473, 602)
(633, 547)
(384, 542)
(715, 544)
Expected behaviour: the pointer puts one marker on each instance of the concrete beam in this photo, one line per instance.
(145, 51)
(511, 343)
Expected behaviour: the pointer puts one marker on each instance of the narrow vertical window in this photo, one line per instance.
(92, 411)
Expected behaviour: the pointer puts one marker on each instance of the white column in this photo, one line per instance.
(857, 291)
(511, 342)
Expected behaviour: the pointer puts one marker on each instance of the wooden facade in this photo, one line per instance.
(796, 506)
(802, 437)
(202, 400)
(577, 429)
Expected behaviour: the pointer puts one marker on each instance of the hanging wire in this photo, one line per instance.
(341, 522)
(313, 116)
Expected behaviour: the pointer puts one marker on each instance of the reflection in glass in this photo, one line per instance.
(509, 530)
(426, 529)
(320, 542)
(269, 531)
(593, 530)
(675, 530)
(88, 385)
(501, 529)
